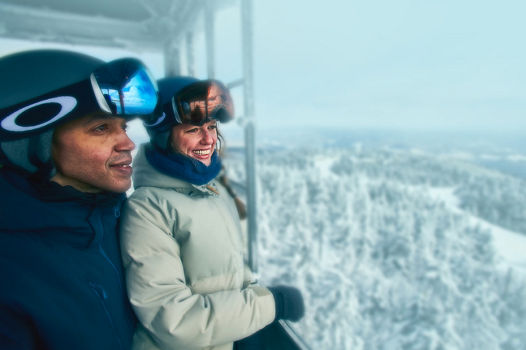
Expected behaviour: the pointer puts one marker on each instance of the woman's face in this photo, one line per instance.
(198, 142)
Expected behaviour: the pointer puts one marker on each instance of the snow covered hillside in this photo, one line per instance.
(394, 249)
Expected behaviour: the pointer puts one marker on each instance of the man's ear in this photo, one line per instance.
(32, 153)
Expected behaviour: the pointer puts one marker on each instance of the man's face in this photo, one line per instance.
(93, 154)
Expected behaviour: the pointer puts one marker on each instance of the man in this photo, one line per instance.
(64, 168)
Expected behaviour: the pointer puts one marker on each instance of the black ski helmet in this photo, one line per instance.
(33, 73)
(160, 129)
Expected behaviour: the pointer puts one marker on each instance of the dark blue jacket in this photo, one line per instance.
(61, 277)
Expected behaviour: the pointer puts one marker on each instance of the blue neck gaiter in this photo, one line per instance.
(183, 167)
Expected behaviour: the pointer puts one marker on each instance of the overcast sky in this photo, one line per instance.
(394, 64)
(405, 63)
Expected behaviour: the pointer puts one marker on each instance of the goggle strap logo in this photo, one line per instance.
(67, 104)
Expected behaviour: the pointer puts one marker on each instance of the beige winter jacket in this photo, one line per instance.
(187, 280)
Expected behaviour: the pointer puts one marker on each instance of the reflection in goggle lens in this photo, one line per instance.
(137, 96)
(203, 101)
(127, 87)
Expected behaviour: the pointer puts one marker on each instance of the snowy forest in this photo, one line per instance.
(393, 248)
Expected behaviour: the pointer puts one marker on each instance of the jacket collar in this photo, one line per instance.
(146, 175)
(50, 191)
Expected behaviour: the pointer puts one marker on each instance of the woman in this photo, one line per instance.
(181, 237)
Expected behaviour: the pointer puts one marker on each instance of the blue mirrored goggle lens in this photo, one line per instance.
(137, 96)
(127, 87)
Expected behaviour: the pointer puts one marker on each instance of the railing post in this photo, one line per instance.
(210, 38)
(190, 58)
(250, 140)
(172, 59)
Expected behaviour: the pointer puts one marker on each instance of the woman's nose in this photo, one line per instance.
(206, 137)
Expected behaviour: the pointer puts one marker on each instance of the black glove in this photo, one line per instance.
(289, 303)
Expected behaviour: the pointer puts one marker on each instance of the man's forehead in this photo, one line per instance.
(95, 117)
(87, 120)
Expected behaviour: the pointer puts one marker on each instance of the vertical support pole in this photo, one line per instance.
(172, 60)
(209, 38)
(250, 142)
(190, 58)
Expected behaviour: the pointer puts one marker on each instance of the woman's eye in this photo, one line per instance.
(192, 131)
(212, 127)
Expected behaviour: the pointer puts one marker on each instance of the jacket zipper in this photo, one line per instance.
(114, 268)
(102, 296)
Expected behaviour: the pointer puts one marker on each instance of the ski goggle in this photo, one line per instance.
(196, 104)
(123, 88)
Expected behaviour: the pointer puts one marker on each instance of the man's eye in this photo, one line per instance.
(100, 128)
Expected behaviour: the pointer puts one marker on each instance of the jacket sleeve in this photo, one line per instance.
(165, 305)
(15, 330)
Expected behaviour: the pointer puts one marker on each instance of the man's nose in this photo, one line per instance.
(124, 143)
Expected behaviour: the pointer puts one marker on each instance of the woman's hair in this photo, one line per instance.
(221, 144)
